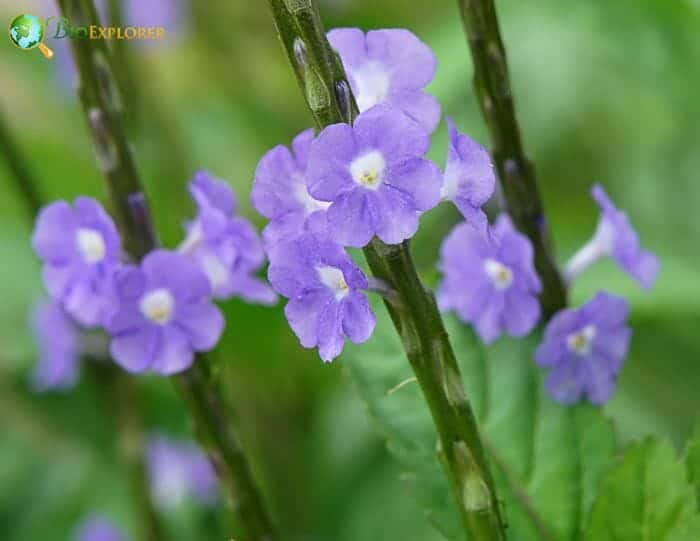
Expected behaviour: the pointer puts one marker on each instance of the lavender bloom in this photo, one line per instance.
(280, 193)
(58, 339)
(375, 176)
(469, 178)
(227, 248)
(81, 250)
(615, 237)
(389, 67)
(178, 471)
(97, 528)
(324, 287)
(163, 314)
(585, 348)
(490, 283)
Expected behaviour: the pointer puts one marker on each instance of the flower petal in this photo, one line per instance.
(358, 318)
(174, 354)
(330, 332)
(522, 314)
(53, 237)
(419, 178)
(564, 383)
(419, 106)
(134, 351)
(350, 218)
(397, 219)
(202, 323)
(303, 314)
(412, 62)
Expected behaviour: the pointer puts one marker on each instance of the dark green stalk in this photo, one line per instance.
(103, 110)
(415, 316)
(116, 388)
(516, 172)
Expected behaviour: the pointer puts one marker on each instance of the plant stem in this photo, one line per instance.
(516, 172)
(103, 110)
(416, 317)
(116, 388)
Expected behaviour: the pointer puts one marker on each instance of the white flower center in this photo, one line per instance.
(334, 280)
(301, 194)
(500, 275)
(91, 245)
(367, 169)
(372, 82)
(158, 305)
(580, 342)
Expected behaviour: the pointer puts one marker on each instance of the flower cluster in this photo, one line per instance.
(157, 313)
(351, 183)
(585, 348)
(490, 282)
(348, 184)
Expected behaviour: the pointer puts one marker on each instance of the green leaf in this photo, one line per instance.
(646, 498)
(547, 459)
(692, 459)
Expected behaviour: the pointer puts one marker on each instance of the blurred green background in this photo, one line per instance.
(606, 91)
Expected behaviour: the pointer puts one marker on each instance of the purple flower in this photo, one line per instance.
(324, 287)
(163, 314)
(81, 250)
(280, 193)
(469, 178)
(97, 528)
(58, 339)
(585, 348)
(615, 237)
(227, 248)
(178, 470)
(375, 176)
(389, 67)
(490, 282)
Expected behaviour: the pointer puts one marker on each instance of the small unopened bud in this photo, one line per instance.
(300, 51)
(316, 92)
(510, 166)
(344, 97)
(476, 495)
(105, 149)
(138, 209)
(105, 82)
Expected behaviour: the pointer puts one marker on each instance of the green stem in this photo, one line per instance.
(416, 317)
(102, 106)
(116, 388)
(516, 172)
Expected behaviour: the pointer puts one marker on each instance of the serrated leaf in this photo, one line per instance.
(646, 498)
(547, 459)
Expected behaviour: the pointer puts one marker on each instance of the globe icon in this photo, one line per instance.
(27, 32)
